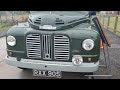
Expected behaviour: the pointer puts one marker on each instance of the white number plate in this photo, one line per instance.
(57, 74)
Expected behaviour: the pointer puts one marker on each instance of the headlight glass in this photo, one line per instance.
(88, 44)
(77, 60)
(11, 41)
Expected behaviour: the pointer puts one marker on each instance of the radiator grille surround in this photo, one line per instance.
(48, 47)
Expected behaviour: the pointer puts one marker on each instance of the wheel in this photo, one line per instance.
(91, 73)
(23, 68)
(88, 73)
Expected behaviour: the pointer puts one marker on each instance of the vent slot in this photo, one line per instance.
(37, 21)
(33, 46)
(61, 47)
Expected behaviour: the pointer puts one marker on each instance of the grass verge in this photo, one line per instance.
(5, 28)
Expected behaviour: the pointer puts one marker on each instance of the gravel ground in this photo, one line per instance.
(3, 33)
(114, 52)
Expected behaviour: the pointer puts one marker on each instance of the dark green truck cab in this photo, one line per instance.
(57, 40)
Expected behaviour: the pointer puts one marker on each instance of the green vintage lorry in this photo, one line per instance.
(55, 41)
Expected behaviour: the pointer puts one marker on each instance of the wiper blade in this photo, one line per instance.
(72, 24)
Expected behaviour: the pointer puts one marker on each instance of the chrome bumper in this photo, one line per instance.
(52, 65)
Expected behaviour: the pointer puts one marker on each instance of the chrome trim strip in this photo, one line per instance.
(89, 55)
(16, 51)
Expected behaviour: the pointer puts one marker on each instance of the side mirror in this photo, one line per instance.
(92, 13)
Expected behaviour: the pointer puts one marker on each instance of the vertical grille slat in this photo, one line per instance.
(61, 47)
(33, 46)
(47, 46)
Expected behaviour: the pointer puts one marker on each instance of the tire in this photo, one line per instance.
(89, 73)
(23, 68)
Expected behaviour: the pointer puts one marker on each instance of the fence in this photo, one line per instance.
(111, 22)
(10, 18)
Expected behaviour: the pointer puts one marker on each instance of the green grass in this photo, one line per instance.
(5, 28)
(112, 23)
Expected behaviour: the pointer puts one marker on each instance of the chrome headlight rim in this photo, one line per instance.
(90, 42)
(11, 41)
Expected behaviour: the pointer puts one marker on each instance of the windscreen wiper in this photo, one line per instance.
(75, 23)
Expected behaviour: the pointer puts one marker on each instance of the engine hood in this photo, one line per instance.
(55, 21)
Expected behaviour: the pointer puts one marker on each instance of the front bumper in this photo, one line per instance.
(52, 65)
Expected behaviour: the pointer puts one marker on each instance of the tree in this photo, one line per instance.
(1, 13)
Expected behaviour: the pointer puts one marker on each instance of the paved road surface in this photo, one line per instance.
(3, 33)
(10, 72)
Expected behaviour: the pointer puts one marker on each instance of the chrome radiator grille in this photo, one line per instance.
(33, 45)
(48, 47)
(46, 44)
(61, 47)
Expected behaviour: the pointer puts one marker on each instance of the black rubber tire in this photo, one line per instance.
(89, 73)
(23, 68)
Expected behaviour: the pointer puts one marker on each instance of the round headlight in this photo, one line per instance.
(77, 60)
(88, 44)
(11, 41)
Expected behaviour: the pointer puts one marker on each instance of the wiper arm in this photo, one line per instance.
(72, 24)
